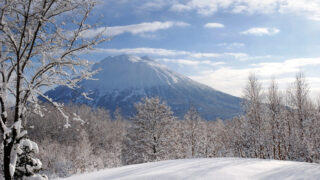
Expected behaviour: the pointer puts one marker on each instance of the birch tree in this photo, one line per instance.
(40, 41)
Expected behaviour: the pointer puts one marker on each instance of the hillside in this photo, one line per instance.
(217, 169)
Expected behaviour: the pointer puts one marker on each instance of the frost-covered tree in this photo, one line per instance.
(218, 139)
(314, 137)
(253, 106)
(40, 41)
(194, 134)
(276, 124)
(299, 101)
(177, 141)
(118, 133)
(149, 137)
(88, 146)
(300, 116)
(236, 130)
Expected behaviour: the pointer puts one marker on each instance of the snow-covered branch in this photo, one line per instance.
(37, 51)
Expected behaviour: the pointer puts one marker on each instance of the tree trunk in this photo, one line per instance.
(154, 145)
(274, 146)
(6, 161)
(279, 152)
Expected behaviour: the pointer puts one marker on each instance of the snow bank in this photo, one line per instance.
(216, 168)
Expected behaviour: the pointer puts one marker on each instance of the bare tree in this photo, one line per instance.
(300, 115)
(238, 137)
(38, 49)
(149, 137)
(253, 98)
(194, 136)
(275, 106)
(299, 101)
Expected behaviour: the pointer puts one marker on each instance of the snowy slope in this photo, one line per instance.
(216, 169)
(125, 72)
(123, 80)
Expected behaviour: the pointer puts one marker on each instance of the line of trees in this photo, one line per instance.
(275, 125)
(280, 125)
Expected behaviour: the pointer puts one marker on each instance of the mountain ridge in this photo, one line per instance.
(124, 80)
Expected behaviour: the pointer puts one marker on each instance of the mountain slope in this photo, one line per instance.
(124, 80)
(216, 168)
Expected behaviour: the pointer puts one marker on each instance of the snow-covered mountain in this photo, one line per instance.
(123, 80)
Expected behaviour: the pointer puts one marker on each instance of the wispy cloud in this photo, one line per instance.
(308, 8)
(134, 28)
(192, 62)
(170, 52)
(261, 31)
(203, 7)
(234, 45)
(214, 25)
(144, 51)
(155, 4)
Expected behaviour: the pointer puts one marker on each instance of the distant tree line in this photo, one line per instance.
(275, 125)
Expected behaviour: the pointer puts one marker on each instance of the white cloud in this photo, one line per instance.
(149, 35)
(214, 25)
(308, 8)
(261, 31)
(203, 7)
(232, 80)
(234, 45)
(205, 55)
(239, 56)
(134, 28)
(155, 4)
(159, 52)
(256, 6)
(147, 51)
(169, 52)
(190, 62)
(208, 7)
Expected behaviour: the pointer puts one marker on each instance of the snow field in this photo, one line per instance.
(215, 168)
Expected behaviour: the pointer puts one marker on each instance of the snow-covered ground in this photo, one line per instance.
(215, 168)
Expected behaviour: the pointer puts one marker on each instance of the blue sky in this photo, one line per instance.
(217, 42)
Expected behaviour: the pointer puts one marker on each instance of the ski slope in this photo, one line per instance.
(215, 168)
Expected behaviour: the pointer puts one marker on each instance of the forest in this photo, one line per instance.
(275, 125)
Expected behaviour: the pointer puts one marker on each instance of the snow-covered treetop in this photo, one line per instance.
(39, 48)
